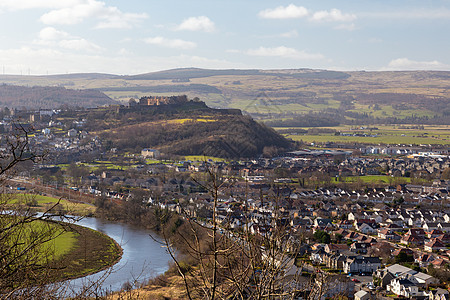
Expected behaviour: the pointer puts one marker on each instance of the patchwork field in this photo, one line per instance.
(279, 93)
(393, 135)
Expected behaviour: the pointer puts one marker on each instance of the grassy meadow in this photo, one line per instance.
(72, 251)
(43, 203)
(433, 135)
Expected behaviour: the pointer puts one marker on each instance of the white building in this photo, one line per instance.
(403, 287)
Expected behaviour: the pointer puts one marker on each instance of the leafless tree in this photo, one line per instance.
(257, 261)
(27, 253)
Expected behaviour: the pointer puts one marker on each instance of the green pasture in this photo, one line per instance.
(438, 135)
(393, 139)
(43, 203)
(94, 166)
(63, 241)
(52, 239)
(389, 111)
(377, 179)
(203, 158)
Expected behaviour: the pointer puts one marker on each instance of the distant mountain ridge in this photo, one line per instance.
(349, 97)
(188, 73)
(36, 97)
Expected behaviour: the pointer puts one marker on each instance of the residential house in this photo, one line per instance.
(439, 263)
(434, 233)
(444, 238)
(424, 260)
(434, 245)
(360, 247)
(386, 234)
(336, 248)
(361, 264)
(400, 271)
(362, 295)
(398, 251)
(365, 228)
(430, 226)
(351, 235)
(403, 287)
(438, 294)
(150, 153)
(317, 256)
(345, 224)
(444, 226)
(419, 232)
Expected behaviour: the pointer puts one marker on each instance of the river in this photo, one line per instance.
(142, 259)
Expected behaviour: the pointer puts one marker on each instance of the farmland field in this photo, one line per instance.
(42, 203)
(382, 135)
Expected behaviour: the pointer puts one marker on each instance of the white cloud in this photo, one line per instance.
(375, 40)
(407, 64)
(118, 19)
(124, 52)
(69, 12)
(170, 43)
(50, 33)
(334, 15)
(284, 12)
(431, 14)
(284, 52)
(41, 61)
(31, 4)
(201, 23)
(349, 27)
(289, 34)
(50, 36)
(108, 16)
(79, 44)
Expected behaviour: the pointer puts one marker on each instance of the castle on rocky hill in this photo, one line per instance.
(160, 100)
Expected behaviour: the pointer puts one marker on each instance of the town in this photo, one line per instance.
(377, 222)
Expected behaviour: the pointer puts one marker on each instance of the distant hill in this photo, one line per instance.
(12, 96)
(189, 128)
(84, 76)
(182, 88)
(188, 73)
(288, 95)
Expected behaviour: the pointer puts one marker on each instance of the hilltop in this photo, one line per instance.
(185, 127)
(46, 97)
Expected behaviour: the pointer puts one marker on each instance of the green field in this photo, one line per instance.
(377, 179)
(203, 158)
(385, 135)
(43, 203)
(56, 250)
(392, 140)
(56, 241)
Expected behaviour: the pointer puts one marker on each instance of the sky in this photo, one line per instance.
(39, 37)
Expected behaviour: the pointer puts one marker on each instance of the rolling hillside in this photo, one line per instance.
(414, 97)
(36, 97)
(190, 128)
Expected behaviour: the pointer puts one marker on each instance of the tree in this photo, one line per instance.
(322, 237)
(27, 262)
(256, 262)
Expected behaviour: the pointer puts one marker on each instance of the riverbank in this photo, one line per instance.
(71, 251)
(92, 253)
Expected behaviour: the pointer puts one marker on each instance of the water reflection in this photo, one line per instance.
(142, 259)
